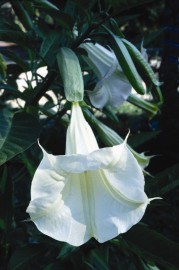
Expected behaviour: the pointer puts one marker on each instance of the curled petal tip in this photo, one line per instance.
(155, 198)
(127, 136)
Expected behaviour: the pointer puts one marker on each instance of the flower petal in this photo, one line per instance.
(45, 182)
(45, 174)
(111, 213)
(80, 137)
(86, 207)
(72, 163)
(99, 96)
(64, 218)
(103, 158)
(122, 171)
(99, 58)
(113, 87)
(127, 177)
(120, 90)
(112, 91)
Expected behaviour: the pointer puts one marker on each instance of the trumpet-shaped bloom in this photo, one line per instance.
(113, 88)
(88, 192)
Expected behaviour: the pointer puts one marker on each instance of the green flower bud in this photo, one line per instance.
(70, 70)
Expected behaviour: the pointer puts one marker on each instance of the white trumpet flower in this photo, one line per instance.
(113, 87)
(88, 192)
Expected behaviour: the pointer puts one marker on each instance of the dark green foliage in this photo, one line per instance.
(33, 32)
(22, 133)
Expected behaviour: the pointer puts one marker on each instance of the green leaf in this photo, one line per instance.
(22, 257)
(5, 116)
(66, 251)
(49, 46)
(152, 245)
(126, 62)
(23, 132)
(110, 113)
(141, 138)
(10, 89)
(85, 4)
(157, 95)
(17, 59)
(128, 4)
(64, 20)
(3, 68)
(116, 28)
(22, 14)
(165, 181)
(147, 266)
(52, 266)
(5, 200)
(98, 259)
(2, 223)
(45, 4)
(18, 37)
(3, 180)
(48, 42)
(31, 161)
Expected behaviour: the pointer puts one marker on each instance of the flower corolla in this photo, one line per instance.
(88, 192)
(113, 87)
